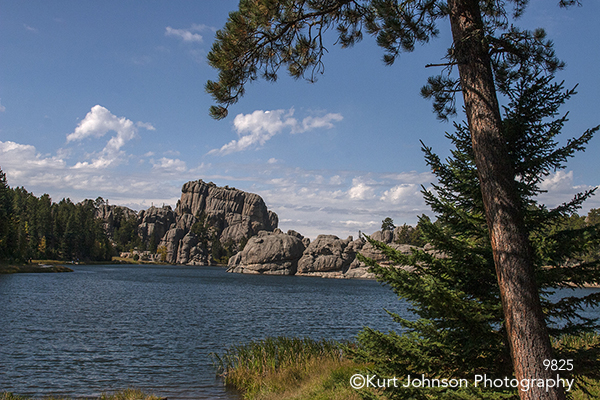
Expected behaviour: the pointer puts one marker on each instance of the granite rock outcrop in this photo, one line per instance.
(112, 216)
(206, 213)
(327, 256)
(272, 253)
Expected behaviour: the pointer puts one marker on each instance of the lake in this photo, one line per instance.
(109, 327)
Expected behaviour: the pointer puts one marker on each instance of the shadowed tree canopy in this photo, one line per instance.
(265, 35)
(487, 51)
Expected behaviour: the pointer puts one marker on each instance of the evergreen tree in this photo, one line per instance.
(6, 223)
(265, 35)
(461, 330)
(387, 224)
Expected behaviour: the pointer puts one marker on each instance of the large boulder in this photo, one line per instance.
(273, 253)
(327, 255)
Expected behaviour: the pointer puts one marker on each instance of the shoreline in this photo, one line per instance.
(29, 268)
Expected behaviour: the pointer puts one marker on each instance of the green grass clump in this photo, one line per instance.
(288, 368)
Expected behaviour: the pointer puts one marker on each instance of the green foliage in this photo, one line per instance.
(125, 234)
(162, 250)
(459, 331)
(387, 224)
(267, 355)
(36, 228)
(265, 35)
(411, 235)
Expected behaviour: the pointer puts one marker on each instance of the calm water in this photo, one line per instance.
(103, 328)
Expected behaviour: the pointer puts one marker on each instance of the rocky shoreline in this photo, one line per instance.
(279, 253)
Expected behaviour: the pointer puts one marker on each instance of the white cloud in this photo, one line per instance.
(186, 35)
(273, 161)
(561, 189)
(97, 123)
(360, 190)
(30, 28)
(400, 193)
(310, 123)
(19, 160)
(558, 181)
(145, 125)
(335, 180)
(2, 108)
(256, 129)
(169, 165)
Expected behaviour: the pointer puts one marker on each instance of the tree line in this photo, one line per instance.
(34, 227)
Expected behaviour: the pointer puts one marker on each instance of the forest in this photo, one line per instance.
(34, 227)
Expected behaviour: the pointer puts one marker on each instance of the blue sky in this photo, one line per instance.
(107, 99)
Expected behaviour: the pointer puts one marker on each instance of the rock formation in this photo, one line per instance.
(210, 220)
(112, 216)
(231, 216)
(327, 256)
(273, 253)
(154, 223)
(233, 213)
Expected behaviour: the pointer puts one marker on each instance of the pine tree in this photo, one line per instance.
(265, 35)
(461, 330)
(6, 225)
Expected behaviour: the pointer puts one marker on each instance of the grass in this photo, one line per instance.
(588, 388)
(127, 394)
(288, 368)
(304, 369)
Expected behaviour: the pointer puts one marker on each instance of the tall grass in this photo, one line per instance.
(270, 354)
(278, 364)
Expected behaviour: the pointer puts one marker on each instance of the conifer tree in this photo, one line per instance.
(461, 328)
(265, 35)
(6, 225)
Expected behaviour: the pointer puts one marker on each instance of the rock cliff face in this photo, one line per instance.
(229, 215)
(154, 222)
(235, 214)
(112, 216)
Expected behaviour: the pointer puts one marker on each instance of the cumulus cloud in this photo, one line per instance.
(20, 160)
(561, 189)
(169, 165)
(400, 193)
(97, 123)
(310, 123)
(360, 190)
(255, 129)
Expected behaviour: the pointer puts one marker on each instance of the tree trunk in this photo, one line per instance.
(526, 328)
